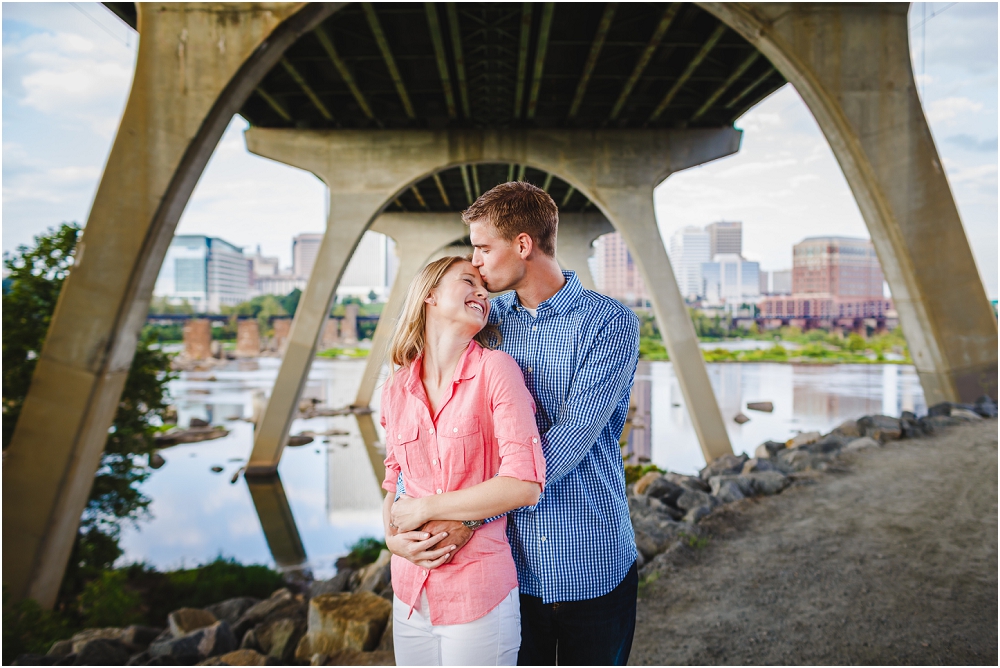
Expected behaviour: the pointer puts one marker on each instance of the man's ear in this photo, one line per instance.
(525, 244)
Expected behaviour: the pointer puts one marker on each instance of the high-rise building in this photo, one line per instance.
(731, 280)
(261, 265)
(617, 275)
(725, 238)
(781, 282)
(765, 282)
(305, 248)
(832, 278)
(206, 272)
(837, 266)
(690, 248)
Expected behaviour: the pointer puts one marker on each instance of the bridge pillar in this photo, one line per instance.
(197, 339)
(574, 243)
(866, 103)
(197, 64)
(247, 338)
(417, 237)
(349, 325)
(616, 169)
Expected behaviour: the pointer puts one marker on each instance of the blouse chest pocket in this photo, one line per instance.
(409, 451)
(461, 444)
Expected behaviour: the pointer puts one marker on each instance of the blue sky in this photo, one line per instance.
(67, 69)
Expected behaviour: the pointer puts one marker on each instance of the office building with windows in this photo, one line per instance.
(725, 238)
(206, 272)
(690, 248)
(617, 275)
(305, 248)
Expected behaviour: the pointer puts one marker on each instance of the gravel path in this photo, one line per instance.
(891, 560)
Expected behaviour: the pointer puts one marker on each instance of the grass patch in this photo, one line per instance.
(645, 582)
(363, 552)
(337, 353)
(695, 542)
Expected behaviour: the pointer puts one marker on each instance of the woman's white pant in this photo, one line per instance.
(492, 640)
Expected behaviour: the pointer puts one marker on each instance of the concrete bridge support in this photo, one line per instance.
(851, 65)
(574, 244)
(197, 64)
(616, 169)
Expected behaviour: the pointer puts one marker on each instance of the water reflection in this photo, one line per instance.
(328, 493)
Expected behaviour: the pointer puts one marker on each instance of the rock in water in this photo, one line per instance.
(344, 621)
(186, 620)
(296, 441)
(197, 422)
(986, 407)
(740, 418)
(762, 406)
(156, 461)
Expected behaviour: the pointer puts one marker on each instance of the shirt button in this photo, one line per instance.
(534, 440)
(530, 369)
(432, 430)
(455, 429)
(534, 328)
(434, 462)
(439, 491)
(399, 436)
(543, 539)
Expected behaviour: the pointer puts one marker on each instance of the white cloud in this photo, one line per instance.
(940, 111)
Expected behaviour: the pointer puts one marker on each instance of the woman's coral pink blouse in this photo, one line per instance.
(484, 427)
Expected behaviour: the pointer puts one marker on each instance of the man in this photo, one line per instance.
(575, 550)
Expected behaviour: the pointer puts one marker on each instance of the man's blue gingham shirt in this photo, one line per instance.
(578, 357)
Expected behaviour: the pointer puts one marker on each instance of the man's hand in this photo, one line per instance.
(457, 533)
(423, 548)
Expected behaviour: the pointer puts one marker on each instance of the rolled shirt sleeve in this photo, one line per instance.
(514, 425)
(393, 470)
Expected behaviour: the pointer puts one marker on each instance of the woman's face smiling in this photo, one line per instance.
(460, 299)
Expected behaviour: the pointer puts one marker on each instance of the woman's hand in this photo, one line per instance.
(408, 513)
(415, 546)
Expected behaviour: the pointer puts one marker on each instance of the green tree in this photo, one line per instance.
(290, 302)
(37, 274)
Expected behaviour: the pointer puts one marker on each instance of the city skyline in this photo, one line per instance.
(68, 70)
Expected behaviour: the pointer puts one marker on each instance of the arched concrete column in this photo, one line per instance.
(574, 243)
(851, 65)
(417, 236)
(366, 169)
(196, 66)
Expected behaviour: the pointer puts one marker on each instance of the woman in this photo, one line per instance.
(460, 429)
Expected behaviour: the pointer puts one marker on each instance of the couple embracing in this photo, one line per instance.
(506, 513)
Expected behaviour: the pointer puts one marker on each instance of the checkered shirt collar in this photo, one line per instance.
(561, 302)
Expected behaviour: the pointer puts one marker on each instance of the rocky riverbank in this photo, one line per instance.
(347, 620)
(666, 508)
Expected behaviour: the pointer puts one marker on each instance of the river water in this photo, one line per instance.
(328, 496)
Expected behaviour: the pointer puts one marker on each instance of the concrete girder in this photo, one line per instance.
(196, 66)
(616, 169)
(866, 103)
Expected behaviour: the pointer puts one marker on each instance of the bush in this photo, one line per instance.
(364, 552)
(635, 471)
(29, 629)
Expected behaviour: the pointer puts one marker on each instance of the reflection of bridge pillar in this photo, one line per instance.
(574, 243)
(277, 522)
(247, 338)
(417, 236)
(865, 101)
(617, 169)
(197, 339)
(178, 108)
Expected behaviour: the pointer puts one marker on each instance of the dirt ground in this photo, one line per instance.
(891, 560)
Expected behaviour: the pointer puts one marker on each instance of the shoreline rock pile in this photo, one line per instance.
(347, 620)
(666, 508)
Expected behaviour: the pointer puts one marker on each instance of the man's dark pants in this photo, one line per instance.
(594, 632)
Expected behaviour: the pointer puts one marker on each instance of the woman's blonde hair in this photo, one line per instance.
(408, 337)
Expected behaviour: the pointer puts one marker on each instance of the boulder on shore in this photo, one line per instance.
(186, 620)
(344, 621)
(762, 406)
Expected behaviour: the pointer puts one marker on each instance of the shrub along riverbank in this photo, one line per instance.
(814, 347)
